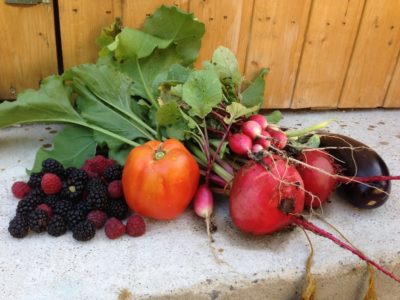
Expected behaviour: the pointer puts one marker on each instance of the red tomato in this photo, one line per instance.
(160, 179)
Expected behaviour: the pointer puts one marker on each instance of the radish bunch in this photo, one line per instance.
(257, 135)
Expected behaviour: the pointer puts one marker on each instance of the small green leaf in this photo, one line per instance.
(168, 114)
(202, 91)
(254, 94)
(225, 65)
(236, 110)
(274, 117)
(107, 36)
(72, 146)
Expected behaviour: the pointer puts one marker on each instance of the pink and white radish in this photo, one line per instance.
(260, 119)
(240, 143)
(252, 129)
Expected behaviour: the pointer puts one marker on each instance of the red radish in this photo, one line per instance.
(203, 205)
(251, 129)
(318, 184)
(265, 140)
(265, 196)
(240, 143)
(260, 119)
(279, 138)
(257, 148)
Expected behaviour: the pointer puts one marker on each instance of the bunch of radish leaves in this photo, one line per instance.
(142, 87)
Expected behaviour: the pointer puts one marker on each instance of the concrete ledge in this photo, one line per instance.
(173, 260)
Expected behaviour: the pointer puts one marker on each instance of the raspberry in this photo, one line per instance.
(98, 218)
(135, 226)
(97, 165)
(113, 172)
(47, 209)
(115, 189)
(114, 228)
(51, 184)
(20, 189)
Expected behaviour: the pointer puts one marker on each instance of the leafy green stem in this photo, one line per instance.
(148, 92)
(303, 131)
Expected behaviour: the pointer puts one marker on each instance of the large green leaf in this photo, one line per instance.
(72, 146)
(168, 114)
(202, 91)
(51, 103)
(254, 94)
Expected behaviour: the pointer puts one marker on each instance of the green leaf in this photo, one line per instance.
(237, 110)
(254, 94)
(168, 114)
(171, 23)
(72, 146)
(51, 103)
(120, 154)
(225, 65)
(312, 142)
(274, 117)
(202, 91)
(107, 36)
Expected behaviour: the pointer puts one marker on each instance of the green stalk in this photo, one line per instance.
(149, 94)
(303, 131)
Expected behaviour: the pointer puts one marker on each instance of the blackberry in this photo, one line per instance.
(18, 227)
(112, 173)
(26, 206)
(84, 231)
(77, 175)
(84, 206)
(35, 180)
(38, 220)
(118, 209)
(57, 226)
(36, 195)
(62, 207)
(51, 165)
(95, 184)
(98, 199)
(52, 200)
(74, 217)
(72, 190)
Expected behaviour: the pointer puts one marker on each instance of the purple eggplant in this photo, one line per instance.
(359, 162)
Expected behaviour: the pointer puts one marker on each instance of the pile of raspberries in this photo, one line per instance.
(59, 199)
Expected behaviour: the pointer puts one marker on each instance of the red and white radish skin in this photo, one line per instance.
(279, 138)
(319, 179)
(203, 201)
(251, 129)
(257, 148)
(264, 140)
(240, 143)
(260, 119)
(265, 197)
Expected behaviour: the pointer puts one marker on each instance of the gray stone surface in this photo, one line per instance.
(173, 259)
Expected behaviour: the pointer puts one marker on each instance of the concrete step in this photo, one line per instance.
(173, 259)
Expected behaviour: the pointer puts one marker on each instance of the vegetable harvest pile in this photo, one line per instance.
(182, 135)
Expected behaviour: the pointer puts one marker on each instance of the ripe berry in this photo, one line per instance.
(97, 165)
(51, 184)
(115, 189)
(20, 189)
(51, 165)
(135, 226)
(84, 231)
(47, 209)
(38, 220)
(114, 228)
(98, 218)
(57, 226)
(18, 227)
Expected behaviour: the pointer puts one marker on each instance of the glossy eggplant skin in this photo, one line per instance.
(361, 162)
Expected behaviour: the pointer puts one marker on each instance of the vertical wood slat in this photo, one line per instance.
(393, 95)
(374, 56)
(27, 47)
(81, 22)
(327, 50)
(134, 12)
(227, 23)
(276, 42)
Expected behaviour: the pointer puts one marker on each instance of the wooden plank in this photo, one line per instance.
(227, 24)
(276, 41)
(393, 95)
(329, 43)
(81, 22)
(136, 11)
(374, 56)
(27, 47)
